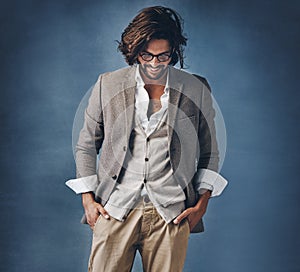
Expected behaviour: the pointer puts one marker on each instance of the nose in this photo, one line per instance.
(154, 61)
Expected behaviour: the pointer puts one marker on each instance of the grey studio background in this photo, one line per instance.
(53, 51)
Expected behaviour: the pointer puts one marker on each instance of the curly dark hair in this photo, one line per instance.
(153, 23)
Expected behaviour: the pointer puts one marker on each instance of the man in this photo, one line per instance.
(154, 125)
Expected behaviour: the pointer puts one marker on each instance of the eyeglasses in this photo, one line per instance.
(146, 56)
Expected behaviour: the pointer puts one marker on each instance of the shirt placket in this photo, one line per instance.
(147, 159)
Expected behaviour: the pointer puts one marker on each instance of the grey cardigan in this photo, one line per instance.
(108, 125)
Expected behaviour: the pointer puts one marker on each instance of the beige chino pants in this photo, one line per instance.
(162, 246)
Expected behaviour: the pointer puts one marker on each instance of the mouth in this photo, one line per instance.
(153, 72)
(154, 69)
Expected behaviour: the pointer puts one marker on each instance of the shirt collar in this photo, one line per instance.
(140, 82)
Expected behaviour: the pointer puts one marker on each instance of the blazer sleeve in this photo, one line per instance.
(91, 135)
(207, 176)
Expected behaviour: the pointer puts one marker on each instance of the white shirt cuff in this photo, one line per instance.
(84, 184)
(211, 180)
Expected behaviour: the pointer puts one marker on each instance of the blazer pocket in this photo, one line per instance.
(186, 118)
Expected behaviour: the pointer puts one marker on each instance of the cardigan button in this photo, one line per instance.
(114, 177)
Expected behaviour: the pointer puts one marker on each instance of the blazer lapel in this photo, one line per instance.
(129, 86)
(174, 98)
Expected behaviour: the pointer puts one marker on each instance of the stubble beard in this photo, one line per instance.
(154, 73)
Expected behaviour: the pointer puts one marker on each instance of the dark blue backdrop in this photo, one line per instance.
(53, 51)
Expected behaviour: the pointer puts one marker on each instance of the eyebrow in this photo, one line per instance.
(165, 52)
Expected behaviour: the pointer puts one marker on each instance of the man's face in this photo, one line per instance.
(160, 52)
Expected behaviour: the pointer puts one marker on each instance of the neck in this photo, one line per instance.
(154, 91)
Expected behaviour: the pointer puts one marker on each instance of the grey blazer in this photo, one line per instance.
(109, 122)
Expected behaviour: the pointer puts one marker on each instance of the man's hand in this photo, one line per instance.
(194, 214)
(92, 209)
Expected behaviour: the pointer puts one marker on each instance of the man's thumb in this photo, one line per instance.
(103, 212)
